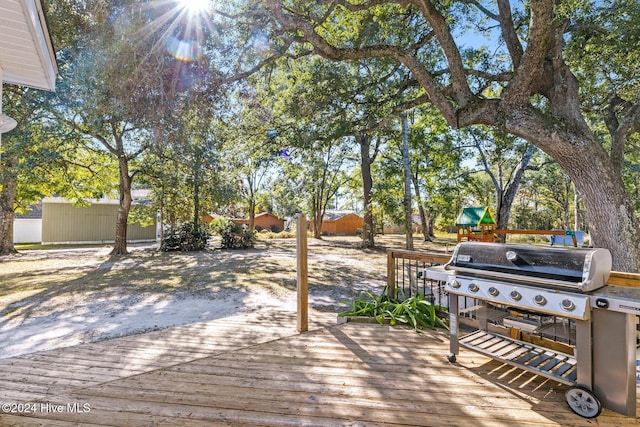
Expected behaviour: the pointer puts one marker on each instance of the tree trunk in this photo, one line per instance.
(317, 214)
(507, 195)
(252, 214)
(317, 224)
(567, 138)
(7, 203)
(610, 215)
(161, 217)
(196, 188)
(317, 227)
(432, 221)
(407, 184)
(566, 214)
(423, 216)
(576, 209)
(120, 244)
(367, 185)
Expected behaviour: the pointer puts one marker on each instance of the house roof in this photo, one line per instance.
(258, 215)
(261, 214)
(335, 215)
(476, 216)
(139, 196)
(27, 57)
(35, 212)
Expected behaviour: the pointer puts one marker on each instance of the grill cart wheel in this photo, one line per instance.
(583, 402)
(451, 357)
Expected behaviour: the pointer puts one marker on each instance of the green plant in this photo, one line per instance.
(416, 311)
(186, 237)
(234, 236)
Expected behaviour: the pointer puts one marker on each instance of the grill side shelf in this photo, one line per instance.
(539, 360)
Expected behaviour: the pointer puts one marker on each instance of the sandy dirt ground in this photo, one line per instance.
(64, 297)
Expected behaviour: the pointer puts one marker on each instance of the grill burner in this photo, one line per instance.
(547, 280)
(548, 301)
(553, 281)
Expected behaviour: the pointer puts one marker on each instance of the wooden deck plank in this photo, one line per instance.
(64, 373)
(370, 411)
(23, 421)
(334, 386)
(282, 379)
(256, 371)
(267, 399)
(137, 412)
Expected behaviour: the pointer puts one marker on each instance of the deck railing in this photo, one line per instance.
(405, 275)
(406, 278)
(405, 272)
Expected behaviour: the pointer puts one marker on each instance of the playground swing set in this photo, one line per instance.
(479, 225)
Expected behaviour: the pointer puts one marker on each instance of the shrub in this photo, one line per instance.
(186, 237)
(280, 235)
(415, 311)
(234, 236)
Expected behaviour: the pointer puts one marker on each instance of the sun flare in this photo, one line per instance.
(195, 6)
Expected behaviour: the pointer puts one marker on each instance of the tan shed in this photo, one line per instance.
(341, 223)
(64, 223)
(264, 221)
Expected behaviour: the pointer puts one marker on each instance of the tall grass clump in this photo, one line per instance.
(416, 311)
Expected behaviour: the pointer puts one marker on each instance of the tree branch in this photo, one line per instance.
(519, 89)
(438, 22)
(482, 9)
(296, 23)
(509, 32)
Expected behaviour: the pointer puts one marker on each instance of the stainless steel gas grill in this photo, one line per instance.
(555, 286)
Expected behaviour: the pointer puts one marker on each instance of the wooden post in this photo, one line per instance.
(391, 275)
(303, 273)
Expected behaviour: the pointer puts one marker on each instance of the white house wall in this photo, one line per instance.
(27, 230)
(26, 52)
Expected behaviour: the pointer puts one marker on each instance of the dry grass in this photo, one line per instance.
(332, 261)
(83, 294)
(338, 269)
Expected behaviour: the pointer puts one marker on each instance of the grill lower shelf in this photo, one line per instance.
(542, 361)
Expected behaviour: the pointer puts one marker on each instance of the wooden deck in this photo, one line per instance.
(255, 370)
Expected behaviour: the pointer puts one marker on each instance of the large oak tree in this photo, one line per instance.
(538, 95)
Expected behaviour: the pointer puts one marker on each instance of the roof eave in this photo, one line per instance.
(40, 33)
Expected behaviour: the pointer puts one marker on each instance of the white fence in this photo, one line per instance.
(27, 230)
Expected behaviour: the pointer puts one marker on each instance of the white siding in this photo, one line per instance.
(27, 230)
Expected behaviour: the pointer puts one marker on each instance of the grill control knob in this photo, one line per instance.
(455, 284)
(493, 291)
(567, 305)
(540, 300)
(473, 287)
(515, 295)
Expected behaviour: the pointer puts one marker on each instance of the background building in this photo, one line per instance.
(341, 223)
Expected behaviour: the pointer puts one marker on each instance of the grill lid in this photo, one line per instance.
(575, 268)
